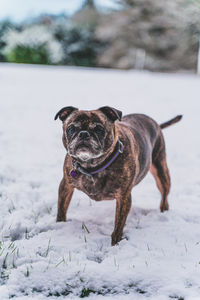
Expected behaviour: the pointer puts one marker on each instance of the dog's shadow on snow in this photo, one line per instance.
(138, 211)
(105, 224)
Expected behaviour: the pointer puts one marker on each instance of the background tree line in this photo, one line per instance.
(156, 35)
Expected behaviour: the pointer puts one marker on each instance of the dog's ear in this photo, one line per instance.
(64, 113)
(111, 113)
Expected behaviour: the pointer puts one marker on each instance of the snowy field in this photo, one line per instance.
(39, 259)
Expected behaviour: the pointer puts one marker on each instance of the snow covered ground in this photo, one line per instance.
(160, 259)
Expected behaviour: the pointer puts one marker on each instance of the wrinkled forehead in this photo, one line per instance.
(82, 118)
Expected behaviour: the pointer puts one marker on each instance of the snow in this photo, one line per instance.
(160, 256)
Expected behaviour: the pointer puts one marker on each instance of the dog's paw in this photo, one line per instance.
(164, 206)
(60, 218)
(115, 238)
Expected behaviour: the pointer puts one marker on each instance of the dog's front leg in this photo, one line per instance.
(64, 196)
(123, 205)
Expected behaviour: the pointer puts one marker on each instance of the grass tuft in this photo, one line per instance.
(27, 274)
(27, 234)
(60, 262)
(176, 297)
(84, 227)
(140, 291)
(86, 292)
(48, 248)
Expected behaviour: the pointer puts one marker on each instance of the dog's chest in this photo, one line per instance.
(99, 186)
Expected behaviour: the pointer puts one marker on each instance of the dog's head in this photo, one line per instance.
(88, 134)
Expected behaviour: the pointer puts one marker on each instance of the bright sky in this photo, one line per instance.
(19, 10)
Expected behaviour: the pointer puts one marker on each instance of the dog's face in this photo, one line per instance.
(88, 134)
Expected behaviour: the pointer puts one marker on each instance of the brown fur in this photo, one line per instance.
(144, 150)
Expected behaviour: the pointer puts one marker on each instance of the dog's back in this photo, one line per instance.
(143, 126)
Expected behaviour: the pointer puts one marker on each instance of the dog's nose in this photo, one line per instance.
(84, 135)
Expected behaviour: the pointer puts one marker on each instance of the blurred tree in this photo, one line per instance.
(80, 46)
(89, 3)
(87, 16)
(4, 27)
(29, 55)
(34, 44)
(151, 34)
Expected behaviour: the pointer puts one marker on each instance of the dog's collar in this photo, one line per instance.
(78, 169)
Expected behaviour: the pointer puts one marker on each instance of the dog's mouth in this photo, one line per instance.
(84, 146)
(85, 149)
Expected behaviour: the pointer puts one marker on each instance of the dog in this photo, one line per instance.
(108, 155)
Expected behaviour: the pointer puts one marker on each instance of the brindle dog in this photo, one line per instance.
(107, 155)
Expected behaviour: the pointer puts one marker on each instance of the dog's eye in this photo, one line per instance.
(99, 130)
(71, 130)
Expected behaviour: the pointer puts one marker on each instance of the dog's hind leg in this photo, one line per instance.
(64, 197)
(160, 172)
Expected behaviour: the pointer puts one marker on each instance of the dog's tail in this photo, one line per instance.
(170, 122)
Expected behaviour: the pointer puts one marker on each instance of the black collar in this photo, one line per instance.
(78, 169)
